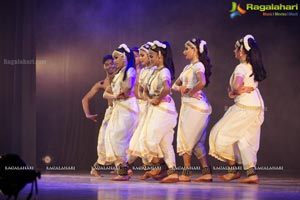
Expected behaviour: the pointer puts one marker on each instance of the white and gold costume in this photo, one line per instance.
(101, 137)
(134, 145)
(123, 121)
(236, 136)
(158, 131)
(194, 115)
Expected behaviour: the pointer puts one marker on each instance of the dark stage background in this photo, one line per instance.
(41, 112)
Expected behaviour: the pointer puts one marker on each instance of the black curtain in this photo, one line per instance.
(17, 87)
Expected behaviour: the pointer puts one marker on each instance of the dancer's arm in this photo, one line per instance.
(238, 87)
(199, 85)
(85, 101)
(165, 91)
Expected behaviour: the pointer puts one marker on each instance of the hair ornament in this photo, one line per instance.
(245, 41)
(125, 47)
(146, 47)
(190, 44)
(160, 44)
(201, 46)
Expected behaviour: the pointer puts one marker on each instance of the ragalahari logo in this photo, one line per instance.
(236, 10)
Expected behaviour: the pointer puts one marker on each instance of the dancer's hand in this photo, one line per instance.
(155, 101)
(184, 90)
(195, 95)
(120, 96)
(231, 94)
(243, 89)
(92, 117)
(246, 89)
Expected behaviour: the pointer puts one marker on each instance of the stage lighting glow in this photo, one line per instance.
(47, 159)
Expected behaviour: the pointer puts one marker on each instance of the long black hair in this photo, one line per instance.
(254, 57)
(124, 49)
(203, 57)
(165, 49)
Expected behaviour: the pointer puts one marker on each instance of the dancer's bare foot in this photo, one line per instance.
(130, 172)
(184, 178)
(204, 178)
(149, 174)
(95, 173)
(230, 176)
(121, 178)
(172, 178)
(250, 180)
(162, 174)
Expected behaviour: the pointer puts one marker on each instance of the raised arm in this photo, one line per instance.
(85, 101)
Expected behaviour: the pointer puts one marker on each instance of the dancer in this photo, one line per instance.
(158, 131)
(138, 67)
(125, 112)
(109, 68)
(137, 61)
(195, 109)
(235, 138)
(147, 69)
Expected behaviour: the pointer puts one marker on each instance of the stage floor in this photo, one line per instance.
(83, 186)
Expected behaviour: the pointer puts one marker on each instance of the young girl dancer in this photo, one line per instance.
(158, 131)
(195, 109)
(125, 112)
(235, 138)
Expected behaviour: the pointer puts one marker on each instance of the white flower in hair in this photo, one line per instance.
(160, 44)
(201, 46)
(245, 41)
(125, 47)
(146, 47)
(150, 43)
